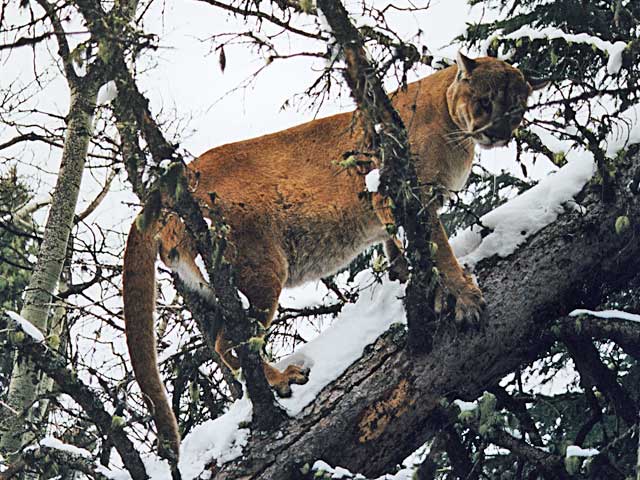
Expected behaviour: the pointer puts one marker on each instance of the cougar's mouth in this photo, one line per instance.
(486, 142)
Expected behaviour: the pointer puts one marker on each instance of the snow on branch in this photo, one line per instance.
(525, 215)
(576, 451)
(613, 50)
(614, 314)
(26, 326)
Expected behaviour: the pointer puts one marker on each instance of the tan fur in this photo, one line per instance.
(295, 216)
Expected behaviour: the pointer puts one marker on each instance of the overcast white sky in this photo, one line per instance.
(188, 77)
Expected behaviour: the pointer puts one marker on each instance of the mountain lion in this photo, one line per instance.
(296, 216)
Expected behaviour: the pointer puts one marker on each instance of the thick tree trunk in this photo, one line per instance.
(44, 280)
(387, 403)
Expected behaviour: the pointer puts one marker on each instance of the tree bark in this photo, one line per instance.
(383, 407)
(53, 250)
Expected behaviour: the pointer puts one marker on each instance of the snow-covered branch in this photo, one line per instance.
(367, 420)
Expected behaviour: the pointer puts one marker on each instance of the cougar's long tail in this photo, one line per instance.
(139, 289)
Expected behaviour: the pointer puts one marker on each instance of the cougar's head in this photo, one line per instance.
(488, 98)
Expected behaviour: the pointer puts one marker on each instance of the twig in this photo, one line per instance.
(55, 366)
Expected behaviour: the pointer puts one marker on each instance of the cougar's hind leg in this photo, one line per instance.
(261, 272)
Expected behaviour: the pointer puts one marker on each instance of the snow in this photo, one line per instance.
(26, 326)
(337, 472)
(221, 438)
(615, 314)
(107, 93)
(614, 50)
(372, 180)
(156, 469)
(576, 451)
(165, 164)
(51, 442)
(343, 473)
(523, 216)
(466, 406)
(246, 304)
(358, 325)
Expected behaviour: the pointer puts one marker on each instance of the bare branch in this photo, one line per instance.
(588, 362)
(63, 46)
(55, 366)
(265, 16)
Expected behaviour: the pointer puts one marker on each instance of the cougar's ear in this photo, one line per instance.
(537, 83)
(465, 65)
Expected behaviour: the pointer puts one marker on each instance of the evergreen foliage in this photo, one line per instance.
(17, 242)
(577, 410)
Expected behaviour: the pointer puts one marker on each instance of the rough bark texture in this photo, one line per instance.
(382, 408)
(44, 280)
(386, 136)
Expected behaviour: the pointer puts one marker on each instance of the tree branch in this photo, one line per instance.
(587, 360)
(55, 366)
(386, 135)
(63, 46)
(381, 409)
(625, 333)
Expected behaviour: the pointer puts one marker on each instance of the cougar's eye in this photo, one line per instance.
(485, 104)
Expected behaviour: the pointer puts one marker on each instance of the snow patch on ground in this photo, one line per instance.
(26, 326)
(518, 219)
(615, 314)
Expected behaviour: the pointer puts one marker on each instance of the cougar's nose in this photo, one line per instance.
(499, 132)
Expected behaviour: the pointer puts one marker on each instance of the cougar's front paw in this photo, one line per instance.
(465, 303)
